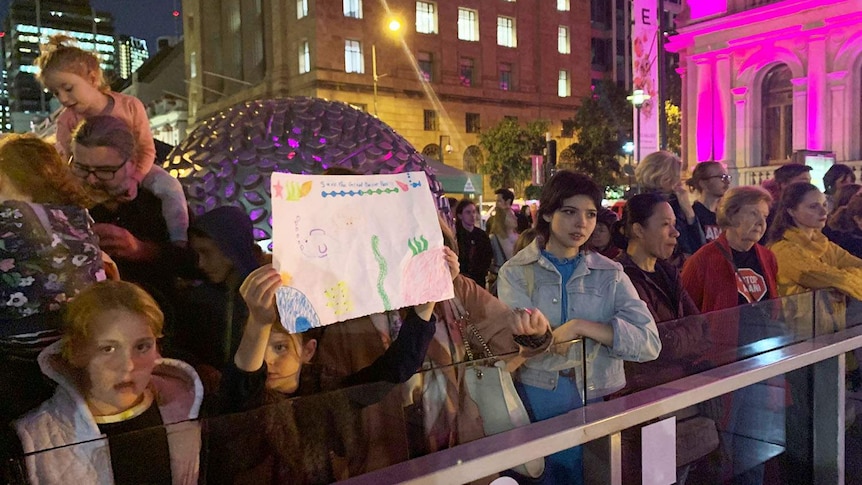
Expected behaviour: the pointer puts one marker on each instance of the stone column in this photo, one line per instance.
(800, 110)
(742, 138)
(840, 136)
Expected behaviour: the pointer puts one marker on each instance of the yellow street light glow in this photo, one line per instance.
(394, 25)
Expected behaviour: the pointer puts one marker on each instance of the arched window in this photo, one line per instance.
(473, 159)
(777, 112)
(432, 151)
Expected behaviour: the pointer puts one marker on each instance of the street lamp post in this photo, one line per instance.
(628, 149)
(444, 148)
(394, 26)
(637, 99)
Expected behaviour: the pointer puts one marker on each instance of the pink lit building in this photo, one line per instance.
(762, 79)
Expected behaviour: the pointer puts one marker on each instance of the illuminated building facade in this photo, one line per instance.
(764, 79)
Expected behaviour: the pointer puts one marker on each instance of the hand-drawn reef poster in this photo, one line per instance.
(353, 245)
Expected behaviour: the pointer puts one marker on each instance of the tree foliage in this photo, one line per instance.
(509, 146)
(602, 125)
(674, 128)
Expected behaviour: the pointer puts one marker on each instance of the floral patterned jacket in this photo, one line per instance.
(48, 253)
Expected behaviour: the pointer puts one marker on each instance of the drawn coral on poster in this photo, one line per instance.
(338, 298)
(425, 275)
(297, 312)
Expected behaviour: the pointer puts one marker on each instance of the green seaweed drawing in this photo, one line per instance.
(375, 242)
(417, 245)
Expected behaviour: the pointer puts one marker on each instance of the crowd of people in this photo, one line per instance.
(124, 320)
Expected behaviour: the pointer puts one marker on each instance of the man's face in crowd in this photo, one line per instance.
(106, 174)
(502, 203)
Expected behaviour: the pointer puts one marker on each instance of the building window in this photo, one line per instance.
(304, 57)
(431, 123)
(600, 53)
(301, 8)
(353, 61)
(505, 76)
(468, 24)
(600, 14)
(564, 85)
(465, 72)
(473, 159)
(353, 9)
(777, 115)
(426, 17)
(506, 34)
(426, 65)
(472, 123)
(563, 5)
(564, 44)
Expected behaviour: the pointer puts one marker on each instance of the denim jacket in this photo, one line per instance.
(599, 291)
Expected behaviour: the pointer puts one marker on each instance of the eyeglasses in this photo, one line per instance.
(101, 173)
(724, 177)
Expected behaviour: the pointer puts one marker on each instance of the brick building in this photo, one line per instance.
(453, 67)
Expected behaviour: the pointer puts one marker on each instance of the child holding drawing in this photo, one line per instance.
(315, 439)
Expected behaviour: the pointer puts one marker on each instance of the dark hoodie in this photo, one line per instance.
(211, 320)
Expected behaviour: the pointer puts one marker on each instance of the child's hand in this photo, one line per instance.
(258, 291)
(452, 262)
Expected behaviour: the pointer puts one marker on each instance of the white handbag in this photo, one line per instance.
(493, 391)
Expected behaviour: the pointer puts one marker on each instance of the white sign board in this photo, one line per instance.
(353, 245)
(645, 74)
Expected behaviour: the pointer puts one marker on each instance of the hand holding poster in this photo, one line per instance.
(352, 245)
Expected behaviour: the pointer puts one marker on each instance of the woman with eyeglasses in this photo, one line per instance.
(709, 180)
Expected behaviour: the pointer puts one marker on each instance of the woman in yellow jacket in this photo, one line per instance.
(807, 260)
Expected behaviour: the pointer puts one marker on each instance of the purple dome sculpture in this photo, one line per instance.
(228, 158)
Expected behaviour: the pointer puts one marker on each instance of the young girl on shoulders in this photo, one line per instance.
(74, 77)
(121, 413)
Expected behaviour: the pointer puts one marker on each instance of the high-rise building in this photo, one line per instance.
(452, 69)
(131, 53)
(30, 23)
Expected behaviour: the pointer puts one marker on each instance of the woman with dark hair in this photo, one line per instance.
(807, 260)
(845, 226)
(583, 295)
(649, 225)
(474, 246)
(602, 240)
(836, 177)
(709, 180)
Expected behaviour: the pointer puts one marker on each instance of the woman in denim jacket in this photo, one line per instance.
(599, 304)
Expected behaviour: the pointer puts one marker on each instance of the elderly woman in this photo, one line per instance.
(661, 172)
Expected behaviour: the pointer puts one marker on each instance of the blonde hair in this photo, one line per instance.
(659, 169)
(735, 199)
(34, 167)
(59, 54)
(102, 297)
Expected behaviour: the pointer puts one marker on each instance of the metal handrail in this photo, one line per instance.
(489, 455)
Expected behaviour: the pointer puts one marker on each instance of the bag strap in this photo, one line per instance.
(464, 320)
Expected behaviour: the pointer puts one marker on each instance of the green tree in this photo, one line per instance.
(674, 128)
(509, 146)
(602, 124)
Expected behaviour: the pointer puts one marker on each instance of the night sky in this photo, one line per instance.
(145, 19)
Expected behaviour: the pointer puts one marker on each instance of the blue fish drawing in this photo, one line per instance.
(297, 314)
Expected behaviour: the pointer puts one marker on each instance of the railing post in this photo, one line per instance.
(828, 421)
(603, 460)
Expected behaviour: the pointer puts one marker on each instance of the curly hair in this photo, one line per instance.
(34, 168)
(658, 169)
(60, 55)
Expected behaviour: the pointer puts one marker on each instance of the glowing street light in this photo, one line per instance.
(394, 26)
(637, 99)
